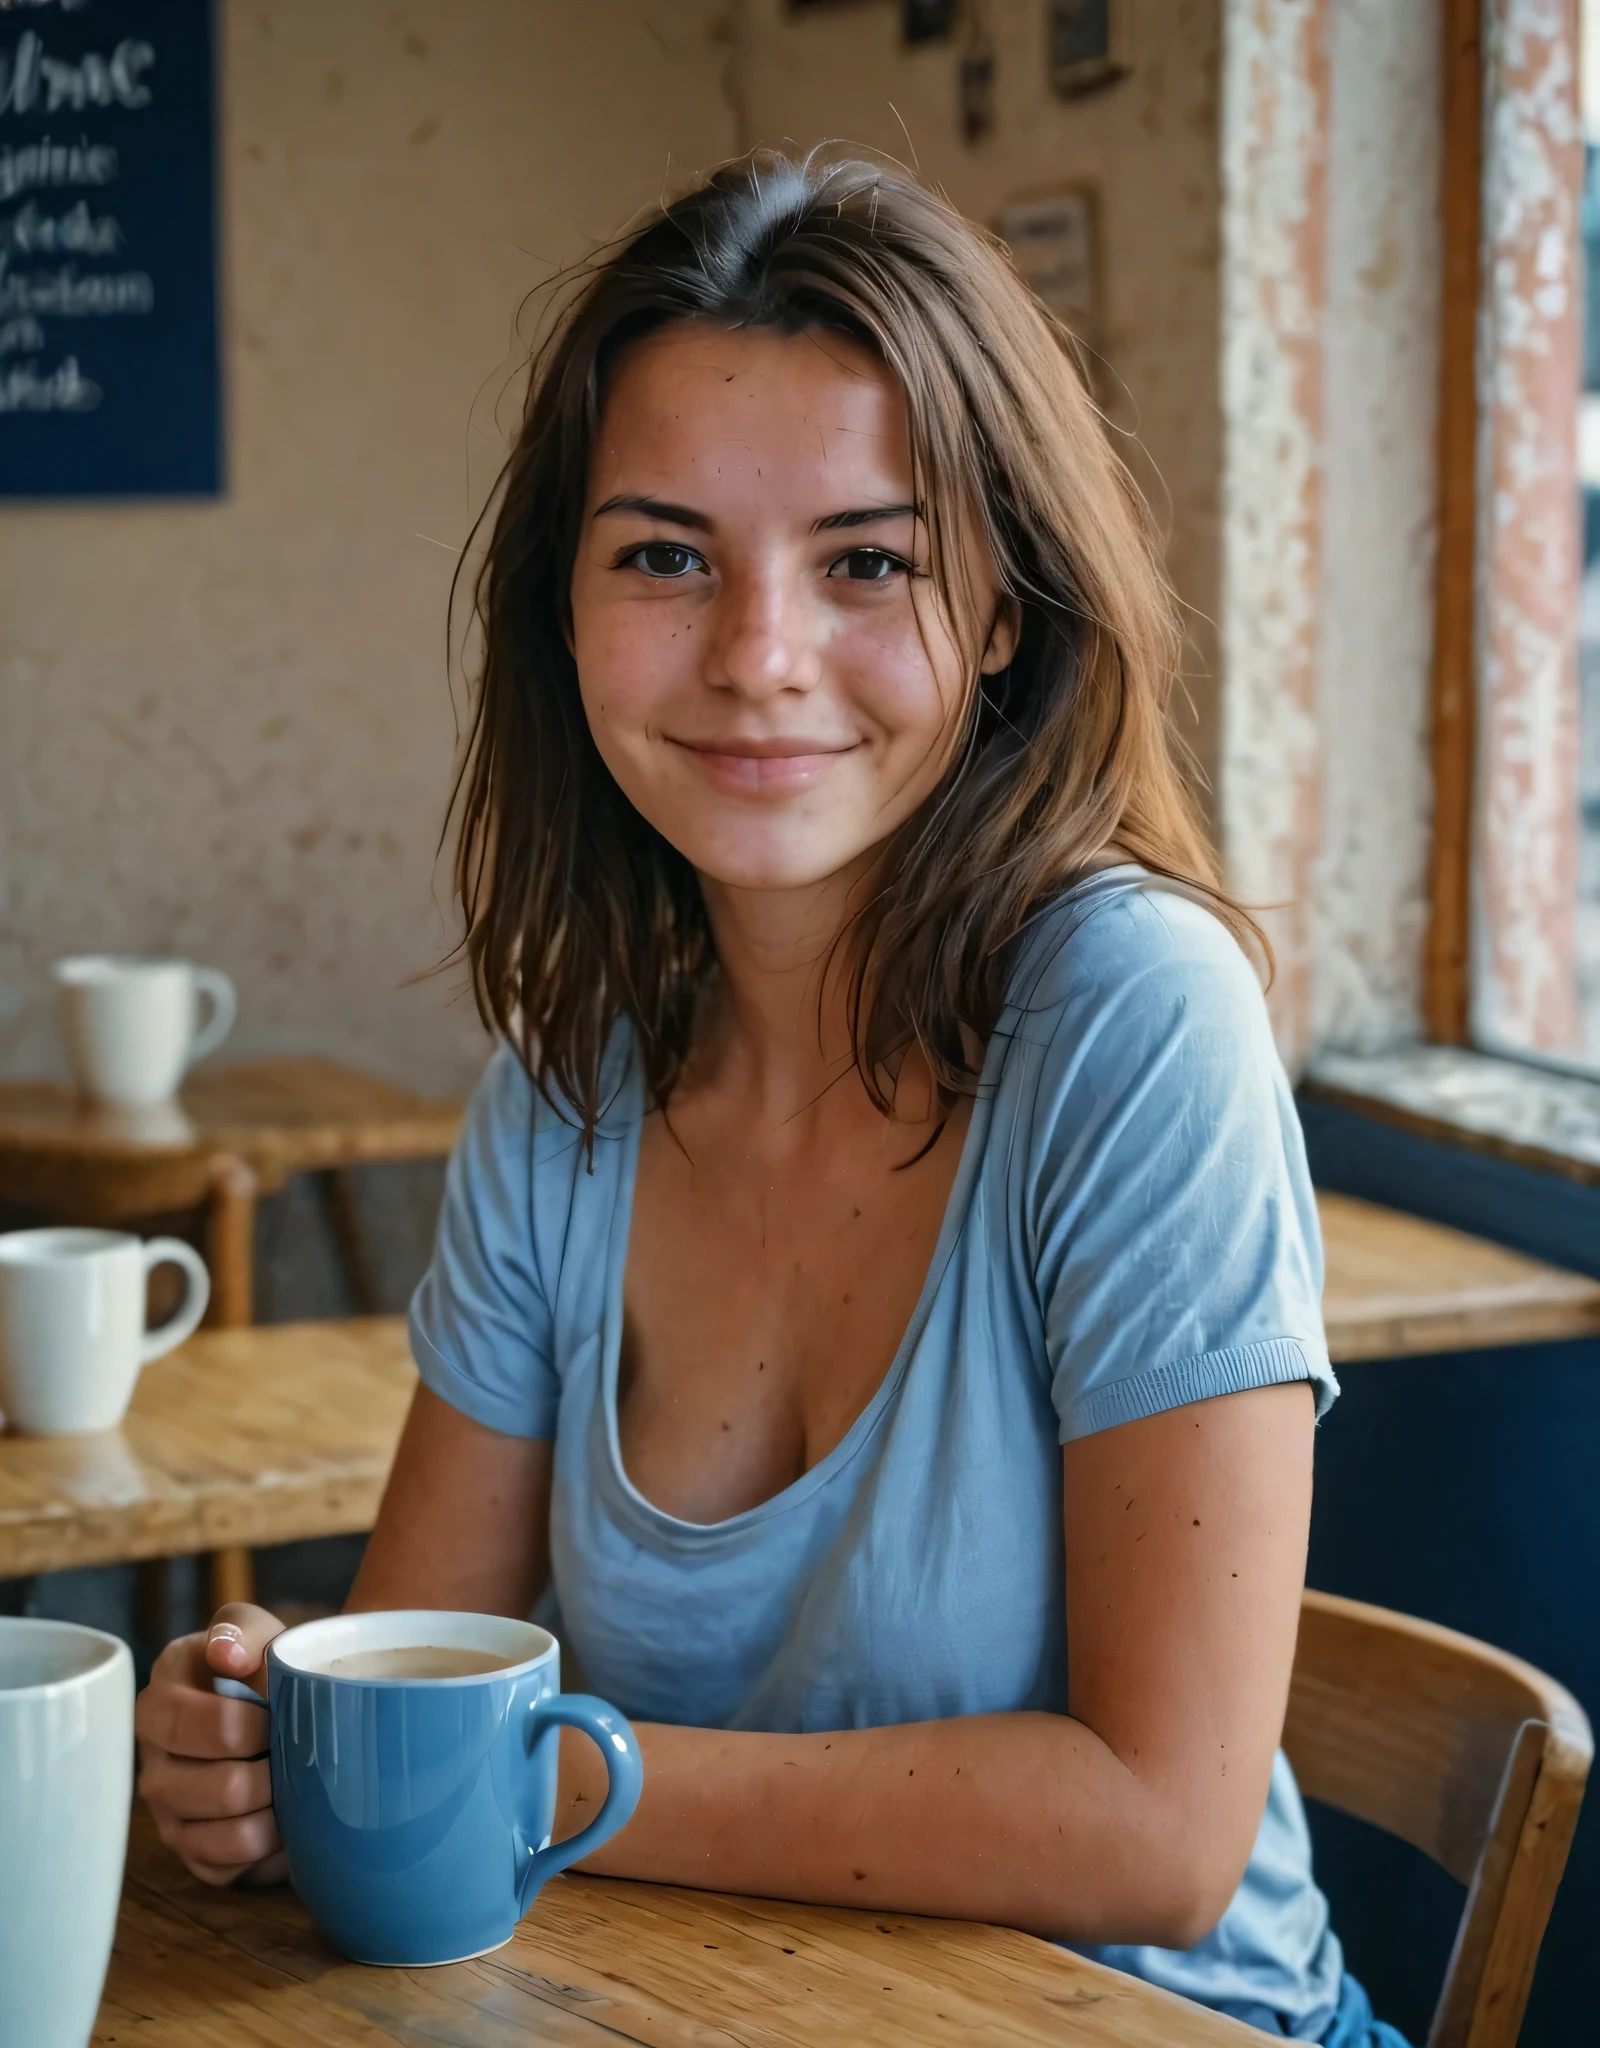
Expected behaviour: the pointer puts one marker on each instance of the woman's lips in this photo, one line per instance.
(762, 770)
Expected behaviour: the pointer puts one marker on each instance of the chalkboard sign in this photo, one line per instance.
(109, 381)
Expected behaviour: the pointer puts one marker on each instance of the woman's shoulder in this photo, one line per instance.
(525, 1199)
(1131, 945)
(1149, 1131)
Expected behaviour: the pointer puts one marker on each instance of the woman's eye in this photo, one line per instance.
(663, 560)
(869, 565)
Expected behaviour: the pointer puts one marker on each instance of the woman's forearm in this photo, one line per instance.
(1026, 1819)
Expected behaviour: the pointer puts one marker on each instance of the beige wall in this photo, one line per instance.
(1150, 145)
(224, 727)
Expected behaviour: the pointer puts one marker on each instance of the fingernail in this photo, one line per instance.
(225, 1632)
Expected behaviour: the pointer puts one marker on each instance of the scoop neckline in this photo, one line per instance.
(799, 1491)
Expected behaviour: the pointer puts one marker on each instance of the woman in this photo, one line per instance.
(881, 1252)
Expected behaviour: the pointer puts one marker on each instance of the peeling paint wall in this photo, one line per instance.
(1149, 145)
(1275, 211)
(1524, 993)
(1331, 302)
(1380, 491)
(225, 729)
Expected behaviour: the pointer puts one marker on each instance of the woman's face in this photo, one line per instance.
(763, 660)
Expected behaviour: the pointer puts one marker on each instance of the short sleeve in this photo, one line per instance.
(480, 1319)
(1174, 1230)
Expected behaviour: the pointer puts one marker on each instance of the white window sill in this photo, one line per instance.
(1535, 1115)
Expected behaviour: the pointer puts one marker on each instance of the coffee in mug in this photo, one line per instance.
(66, 1783)
(426, 1661)
(72, 1324)
(131, 1027)
(414, 1777)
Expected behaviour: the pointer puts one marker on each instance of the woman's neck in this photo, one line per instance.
(781, 1027)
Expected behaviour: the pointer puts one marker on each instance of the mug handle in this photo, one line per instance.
(212, 982)
(616, 1742)
(161, 1251)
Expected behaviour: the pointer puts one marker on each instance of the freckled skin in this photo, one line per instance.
(763, 638)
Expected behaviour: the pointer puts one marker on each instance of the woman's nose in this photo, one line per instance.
(764, 636)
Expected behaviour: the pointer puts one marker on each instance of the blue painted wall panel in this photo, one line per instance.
(1539, 1213)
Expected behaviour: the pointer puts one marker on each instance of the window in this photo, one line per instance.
(1514, 956)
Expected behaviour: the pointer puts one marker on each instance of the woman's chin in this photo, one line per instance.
(779, 868)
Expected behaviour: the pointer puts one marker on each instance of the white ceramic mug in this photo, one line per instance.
(66, 1784)
(72, 1328)
(131, 1027)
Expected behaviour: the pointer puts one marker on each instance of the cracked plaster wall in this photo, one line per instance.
(1370, 875)
(1275, 101)
(225, 729)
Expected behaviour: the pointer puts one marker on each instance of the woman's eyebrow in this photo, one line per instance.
(862, 517)
(656, 508)
(686, 515)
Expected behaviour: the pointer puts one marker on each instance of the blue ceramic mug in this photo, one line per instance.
(414, 1777)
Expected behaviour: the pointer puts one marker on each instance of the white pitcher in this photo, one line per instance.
(72, 1328)
(131, 1027)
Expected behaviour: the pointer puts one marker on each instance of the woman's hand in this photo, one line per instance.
(462, 1526)
(203, 1768)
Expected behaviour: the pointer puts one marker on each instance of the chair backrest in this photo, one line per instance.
(1470, 1755)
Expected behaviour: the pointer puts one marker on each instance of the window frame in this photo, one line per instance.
(1498, 950)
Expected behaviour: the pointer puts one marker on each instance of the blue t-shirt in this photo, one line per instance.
(1131, 1227)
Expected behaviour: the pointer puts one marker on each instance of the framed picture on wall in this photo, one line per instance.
(1087, 44)
(1054, 243)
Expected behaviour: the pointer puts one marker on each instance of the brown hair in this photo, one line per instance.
(579, 913)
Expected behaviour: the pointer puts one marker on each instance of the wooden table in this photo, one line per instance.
(234, 1134)
(239, 1437)
(245, 1437)
(600, 1961)
(1398, 1287)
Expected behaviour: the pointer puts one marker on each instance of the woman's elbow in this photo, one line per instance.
(1187, 1918)
(1195, 1888)
(1175, 1898)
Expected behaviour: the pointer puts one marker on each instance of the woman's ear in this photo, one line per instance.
(1003, 637)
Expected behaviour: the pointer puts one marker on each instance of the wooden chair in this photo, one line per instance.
(1473, 1757)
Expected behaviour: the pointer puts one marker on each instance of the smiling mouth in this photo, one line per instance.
(762, 767)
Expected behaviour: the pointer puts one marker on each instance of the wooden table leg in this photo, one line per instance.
(233, 1576)
(153, 1600)
(230, 1245)
(230, 1256)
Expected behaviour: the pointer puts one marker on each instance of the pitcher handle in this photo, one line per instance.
(159, 1252)
(212, 982)
(616, 1742)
